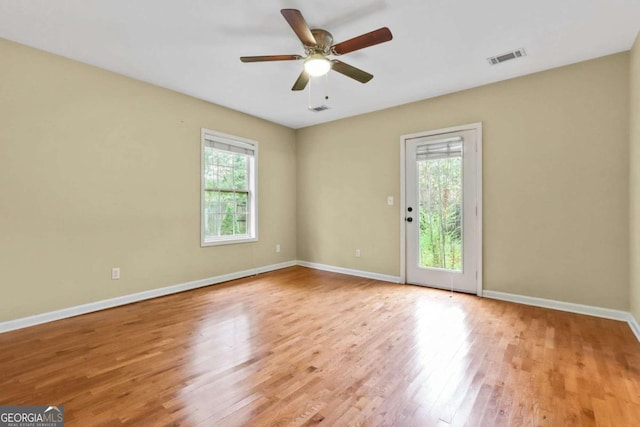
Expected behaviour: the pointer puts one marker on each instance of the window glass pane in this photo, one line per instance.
(226, 202)
(241, 224)
(240, 175)
(440, 193)
(223, 158)
(230, 207)
(225, 177)
(240, 161)
(241, 203)
(211, 202)
(229, 171)
(210, 224)
(218, 224)
(226, 226)
(209, 168)
(240, 179)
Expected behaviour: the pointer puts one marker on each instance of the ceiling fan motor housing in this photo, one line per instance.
(324, 41)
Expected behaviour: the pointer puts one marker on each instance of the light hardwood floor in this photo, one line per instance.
(306, 347)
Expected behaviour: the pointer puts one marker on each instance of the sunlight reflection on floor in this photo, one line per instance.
(441, 338)
(221, 343)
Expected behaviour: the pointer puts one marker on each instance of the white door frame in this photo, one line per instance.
(403, 143)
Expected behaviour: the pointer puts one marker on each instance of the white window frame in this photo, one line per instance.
(252, 226)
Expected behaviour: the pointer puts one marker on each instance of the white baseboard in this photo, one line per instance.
(37, 319)
(350, 272)
(64, 313)
(589, 310)
(635, 326)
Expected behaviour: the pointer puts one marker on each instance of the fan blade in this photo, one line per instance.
(270, 58)
(299, 26)
(351, 71)
(302, 81)
(373, 38)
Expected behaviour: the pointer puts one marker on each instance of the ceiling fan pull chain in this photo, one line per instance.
(326, 86)
(310, 106)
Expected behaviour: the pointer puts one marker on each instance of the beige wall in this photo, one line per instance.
(556, 182)
(98, 170)
(635, 178)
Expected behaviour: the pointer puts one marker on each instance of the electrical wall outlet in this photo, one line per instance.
(278, 248)
(115, 273)
(358, 253)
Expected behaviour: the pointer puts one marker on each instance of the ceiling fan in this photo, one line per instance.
(318, 45)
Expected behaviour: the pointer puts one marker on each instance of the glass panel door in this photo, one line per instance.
(442, 227)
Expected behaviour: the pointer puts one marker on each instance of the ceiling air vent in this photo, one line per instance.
(495, 60)
(318, 108)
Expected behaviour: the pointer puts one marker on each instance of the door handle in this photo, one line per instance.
(409, 219)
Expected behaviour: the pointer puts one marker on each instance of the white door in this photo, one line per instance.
(442, 219)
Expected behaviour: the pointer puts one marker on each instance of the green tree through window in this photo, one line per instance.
(440, 182)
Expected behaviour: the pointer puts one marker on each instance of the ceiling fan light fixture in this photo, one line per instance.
(317, 65)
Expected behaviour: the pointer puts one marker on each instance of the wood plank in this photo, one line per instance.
(306, 347)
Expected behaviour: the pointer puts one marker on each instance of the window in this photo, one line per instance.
(229, 208)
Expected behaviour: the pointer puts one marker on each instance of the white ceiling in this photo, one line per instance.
(439, 46)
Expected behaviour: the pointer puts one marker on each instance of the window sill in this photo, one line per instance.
(230, 241)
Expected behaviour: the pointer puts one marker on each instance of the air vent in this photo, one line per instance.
(495, 60)
(318, 109)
